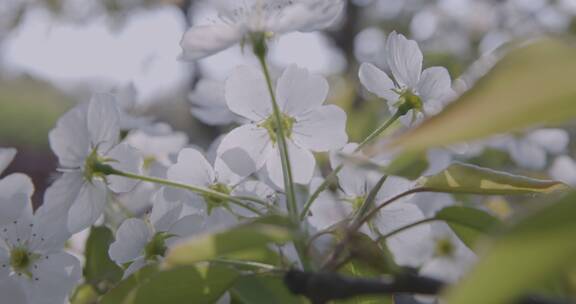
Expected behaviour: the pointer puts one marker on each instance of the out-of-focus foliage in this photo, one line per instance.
(536, 249)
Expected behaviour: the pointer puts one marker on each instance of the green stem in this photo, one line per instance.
(282, 146)
(299, 244)
(332, 176)
(398, 230)
(379, 131)
(198, 190)
(240, 263)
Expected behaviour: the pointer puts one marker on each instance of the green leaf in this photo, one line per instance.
(238, 239)
(469, 224)
(124, 292)
(186, 284)
(471, 179)
(100, 271)
(531, 86)
(535, 250)
(263, 289)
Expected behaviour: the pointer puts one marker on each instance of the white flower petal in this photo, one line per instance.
(56, 275)
(164, 214)
(322, 129)
(377, 82)
(187, 226)
(70, 139)
(131, 238)
(6, 157)
(63, 191)
(209, 103)
(302, 162)
(88, 206)
(527, 154)
(564, 169)
(406, 246)
(306, 16)
(126, 159)
(103, 121)
(192, 168)
(552, 140)
(435, 84)
(204, 40)
(404, 59)
(245, 149)
(298, 91)
(15, 194)
(12, 292)
(50, 228)
(136, 265)
(247, 94)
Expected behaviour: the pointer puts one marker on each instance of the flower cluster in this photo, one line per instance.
(153, 188)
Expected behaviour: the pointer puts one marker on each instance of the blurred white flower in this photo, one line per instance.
(411, 89)
(356, 184)
(209, 103)
(564, 169)
(308, 124)
(83, 136)
(15, 189)
(192, 168)
(139, 242)
(245, 18)
(530, 150)
(33, 266)
(327, 209)
(449, 258)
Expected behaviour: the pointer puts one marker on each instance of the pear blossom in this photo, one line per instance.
(449, 258)
(143, 241)
(530, 150)
(33, 265)
(209, 103)
(410, 88)
(242, 20)
(564, 169)
(309, 126)
(356, 184)
(193, 168)
(84, 136)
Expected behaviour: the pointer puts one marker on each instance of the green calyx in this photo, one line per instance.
(95, 166)
(444, 248)
(157, 246)
(259, 43)
(21, 260)
(214, 202)
(270, 125)
(408, 101)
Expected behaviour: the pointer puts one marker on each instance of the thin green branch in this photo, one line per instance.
(197, 190)
(332, 176)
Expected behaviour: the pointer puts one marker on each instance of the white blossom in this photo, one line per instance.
(309, 126)
(356, 184)
(192, 168)
(87, 134)
(422, 92)
(33, 266)
(209, 103)
(244, 18)
(143, 241)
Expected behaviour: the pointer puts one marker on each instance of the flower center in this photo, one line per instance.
(444, 248)
(357, 202)
(408, 101)
(157, 246)
(95, 166)
(214, 202)
(270, 125)
(21, 260)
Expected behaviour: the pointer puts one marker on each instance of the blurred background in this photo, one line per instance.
(55, 53)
